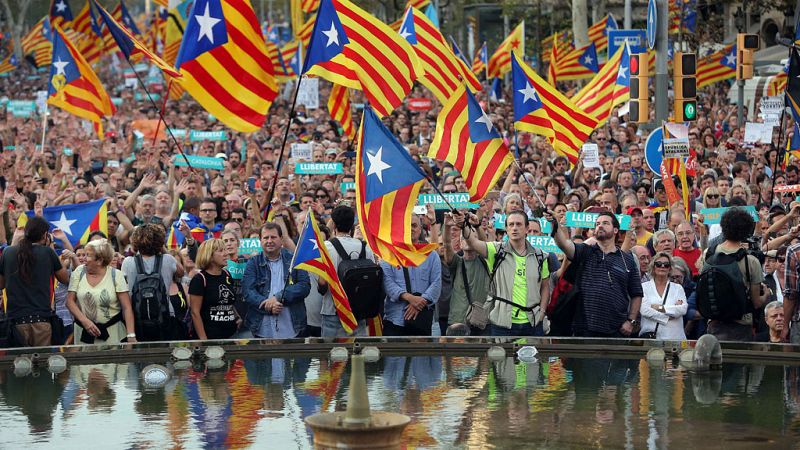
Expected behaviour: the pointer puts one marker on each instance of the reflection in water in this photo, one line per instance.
(459, 401)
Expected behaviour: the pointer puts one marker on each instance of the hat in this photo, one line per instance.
(632, 210)
(221, 155)
(331, 151)
(772, 254)
(777, 209)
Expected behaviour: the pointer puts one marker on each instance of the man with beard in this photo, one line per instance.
(610, 286)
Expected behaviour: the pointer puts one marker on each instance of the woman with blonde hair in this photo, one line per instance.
(98, 299)
(712, 198)
(211, 294)
(664, 302)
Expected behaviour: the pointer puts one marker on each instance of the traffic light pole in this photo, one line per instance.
(662, 49)
(740, 104)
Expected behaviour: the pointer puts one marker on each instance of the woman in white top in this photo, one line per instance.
(664, 302)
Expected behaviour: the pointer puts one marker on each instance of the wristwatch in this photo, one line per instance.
(131, 335)
(633, 322)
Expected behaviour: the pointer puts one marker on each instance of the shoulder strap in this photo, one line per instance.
(157, 263)
(340, 249)
(466, 281)
(540, 259)
(363, 254)
(408, 280)
(139, 264)
(203, 277)
(82, 274)
(114, 277)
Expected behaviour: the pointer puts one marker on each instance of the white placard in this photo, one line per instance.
(301, 152)
(676, 148)
(308, 94)
(590, 154)
(757, 133)
(771, 108)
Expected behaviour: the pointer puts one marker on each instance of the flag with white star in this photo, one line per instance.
(609, 88)
(500, 62)
(60, 13)
(577, 64)
(77, 221)
(225, 65)
(718, 66)
(598, 32)
(73, 86)
(793, 84)
(352, 48)
(312, 256)
(540, 108)
(388, 181)
(466, 138)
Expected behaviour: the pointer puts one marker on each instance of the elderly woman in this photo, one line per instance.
(664, 302)
(98, 299)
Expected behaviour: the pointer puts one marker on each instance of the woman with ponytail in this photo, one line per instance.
(28, 272)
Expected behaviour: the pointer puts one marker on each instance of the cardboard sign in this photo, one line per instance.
(347, 185)
(236, 269)
(591, 157)
(459, 200)
(771, 108)
(318, 168)
(787, 188)
(196, 135)
(301, 152)
(712, 216)
(419, 104)
(587, 220)
(178, 132)
(676, 148)
(544, 243)
(199, 162)
(249, 246)
(308, 94)
(757, 133)
(500, 223)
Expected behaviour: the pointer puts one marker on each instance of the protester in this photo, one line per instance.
(211, 294)
(664, 302)
(775, 323)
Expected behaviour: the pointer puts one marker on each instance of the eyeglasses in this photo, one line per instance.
(208, 210)
(238, 219)
(714, 196)
(662, 264)
(322, 195)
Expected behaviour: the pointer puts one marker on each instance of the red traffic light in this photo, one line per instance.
(634, 65)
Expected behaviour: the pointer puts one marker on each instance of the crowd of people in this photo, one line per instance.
(170, 267)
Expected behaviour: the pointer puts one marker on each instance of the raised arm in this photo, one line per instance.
(470, 235)
(561, 236)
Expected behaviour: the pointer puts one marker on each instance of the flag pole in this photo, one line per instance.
(160, 115)
(283, 146)
(44, 125)
(522, 172)
(780, 153)
(163, 105)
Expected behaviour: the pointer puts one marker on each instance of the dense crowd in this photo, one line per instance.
(173, 246)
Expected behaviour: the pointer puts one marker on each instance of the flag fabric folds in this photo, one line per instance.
(224, 62)
(340, 109)
(481, 61)
(77, 221)
(776, 84)
(609, 88)
(466, 138)
(443, 73)
(718, 66)
(388, 181)
(576, 65)
(598, 32)
(83, 21)
(60, 13)
(74, 87)
(540, 108)
(500, 62)
(312, 256)
(129, 45)
(354, 49)
(37, 42)
(9, 63)
(793, 84)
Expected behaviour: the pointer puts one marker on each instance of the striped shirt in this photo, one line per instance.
(607, 283)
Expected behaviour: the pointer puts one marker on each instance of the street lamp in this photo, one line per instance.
(738, 19)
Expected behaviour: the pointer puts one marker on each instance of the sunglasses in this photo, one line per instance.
(662, 264)
(712, 195)
(238, 219)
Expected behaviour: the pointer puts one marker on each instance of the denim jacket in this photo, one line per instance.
(256, 283)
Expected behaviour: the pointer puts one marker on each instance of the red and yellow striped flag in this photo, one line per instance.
(718, 66)
(309, 6)
(340, 109)
(776, 84)
(609, 88)
(598, 32)
(83, 21)
(578, 64)
(500, 62)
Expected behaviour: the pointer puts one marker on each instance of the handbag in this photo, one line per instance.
(422, 324)
(654, 333)
(56, 329)
(477, 315)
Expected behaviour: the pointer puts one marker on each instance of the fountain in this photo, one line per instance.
(357, 427)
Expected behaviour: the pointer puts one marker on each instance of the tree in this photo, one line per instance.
(16, 22)
(580, 26)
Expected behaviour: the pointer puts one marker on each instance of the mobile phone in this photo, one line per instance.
(112, 163)
(420, 210)
(251, 185)
(68, 151)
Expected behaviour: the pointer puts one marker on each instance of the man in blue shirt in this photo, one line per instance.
(407, 302)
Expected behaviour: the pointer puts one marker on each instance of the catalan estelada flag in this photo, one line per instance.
(480, 63)
(83, 21)
(37, 42)
(598, 32)
(131, 46)
(352, 48)
(442, 70)
(719, 66)
(578, 64)
(304, 34)
(340, 109)
(60, 13)
(466, 138)
(312, 256)
(563, 42)
(74, 87)
(224, 62)
(776, 84)
(500, 62)
(77, 221)
(540, 108)
(387, 187)
(309, 6)
(609, 88)
(793, 84)
(9, 63)
(552, 76)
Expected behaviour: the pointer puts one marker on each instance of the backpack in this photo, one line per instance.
(362, 281)
(722, 293)
(500, 255)
(150, 300)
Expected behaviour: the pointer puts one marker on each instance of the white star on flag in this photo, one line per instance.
(376, 164)
(316, 245)
(61, 6)
(64, 224)
(484, 119)
(405, 33)
(588, 60)
(529, 93)
(623, 72)
(60, 66)
(730, 59)
(333, 36)
(206, 25)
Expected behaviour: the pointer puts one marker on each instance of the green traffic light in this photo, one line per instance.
(690, 110)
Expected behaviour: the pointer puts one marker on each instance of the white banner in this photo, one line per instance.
(308, 94)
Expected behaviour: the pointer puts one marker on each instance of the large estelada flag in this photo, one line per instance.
(341, 110)
(598, 32)
(77, 221)
(352, 48)
(312, 256)
(388, 181)
(540, 108)
(500, 61)
(576, 65)
(224, 62)
(467, 139)
(718, 66)
(793, 84)
(609, 88)
(74, 87)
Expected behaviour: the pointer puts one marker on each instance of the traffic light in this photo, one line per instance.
(640, 91)
(684, 84)
(746, 44)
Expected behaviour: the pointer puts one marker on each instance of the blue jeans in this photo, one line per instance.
(517, 329)
(332, 327)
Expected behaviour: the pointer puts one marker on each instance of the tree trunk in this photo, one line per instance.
(580, 28)
(16, 24)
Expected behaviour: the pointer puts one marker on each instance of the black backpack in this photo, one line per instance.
(362, 281)
(150, 300)
(722, 293)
